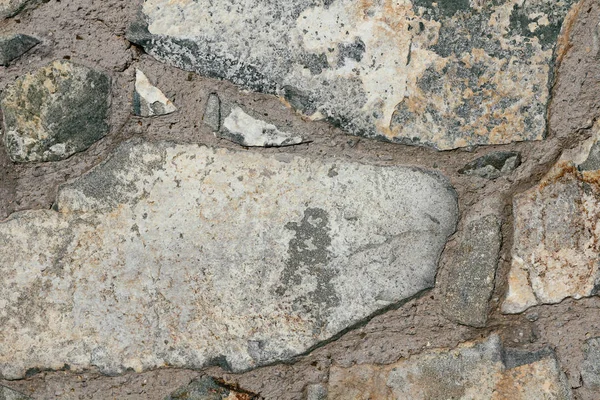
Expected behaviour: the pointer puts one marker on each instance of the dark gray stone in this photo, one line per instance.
(12, 47)
(54, 112)
(590, 368)
(592, 163)
(472, 271)
(212, 113)
(493, 165)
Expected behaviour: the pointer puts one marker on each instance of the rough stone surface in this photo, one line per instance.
(55, 112)
(148, 100)
(473, 271)
(556, 246)
(10, 8)
(14, 46)
(206, 388)
(212, 113)
(442, 74)
(316, 392)
(493, 165)
(190, 256)
(590, 369)
(471, 371)
(9, 394)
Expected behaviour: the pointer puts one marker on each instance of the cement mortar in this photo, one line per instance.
(91, 32)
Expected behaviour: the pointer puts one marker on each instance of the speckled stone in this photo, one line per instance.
(148, 100)
(54, 112)
(493, 165)
(9, 394)
(14, 46)
(556, 246)
(190, 256)
(476, 370)
(10, 8)
(206, 388)
(444, 74)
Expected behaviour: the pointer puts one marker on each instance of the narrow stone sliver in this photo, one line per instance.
(187, 256)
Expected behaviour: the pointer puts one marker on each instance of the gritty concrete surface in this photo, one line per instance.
(92, 33)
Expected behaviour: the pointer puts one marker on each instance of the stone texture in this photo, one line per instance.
(493, 165)
(244, 129)
(471, 371)
(9, 394)
(442, 74)
(148, 100)
(556, 246)
(212, 112)
(14, 46)
(191, 256)
(207, 388)
(472, 272)
(54, 112)
(10, 8)
(316, 392)
(590, 368)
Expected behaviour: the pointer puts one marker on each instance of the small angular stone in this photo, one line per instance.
(148, 100)
(206, 388)
(54, 112)
(12, 47)
(245, 130)
(212, 113)
(493, 165)
(480, 370)
(9, 394)
(10, 8)
(472, 271)
(316, 392)
(590, 368)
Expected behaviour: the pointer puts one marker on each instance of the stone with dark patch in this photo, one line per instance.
(54, 112)
(207, 388)
(14, 46)
(493, 165)
(9, 394)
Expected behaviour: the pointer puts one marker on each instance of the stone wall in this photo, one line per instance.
(312, 199)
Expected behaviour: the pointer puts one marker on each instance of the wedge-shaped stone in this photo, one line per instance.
(556, 239)
(148, 100)
(445, 74)
(188, 256)
(483, 370)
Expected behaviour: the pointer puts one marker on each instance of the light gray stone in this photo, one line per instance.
(445, 74)
(190, 256)
(493, 165)
(14, 46)
(590, 368)
(476, 370)
(9, 394)
(472, 271)
(244, 129)
(316, 392)
(148, 100)
(54, 112)
(10, 8)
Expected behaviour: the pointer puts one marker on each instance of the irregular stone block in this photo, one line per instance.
(316, 392)
(54, 112)
(10, 8)
(206, 388)
(590, 368)
(471, 371)
(493, 165)
(472, 272)
(148, 100)
(9, 394)
(556, 246)
(443, 74)
(14, 46)
(190, 256)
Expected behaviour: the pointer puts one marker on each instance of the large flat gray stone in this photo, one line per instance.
(445, 74)
(188, 256)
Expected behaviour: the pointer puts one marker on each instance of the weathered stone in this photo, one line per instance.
(493, 165)
(148, 100)
(14, 46)
(55, 112)
(471, 371)
(206, 388)
(444, 74)
(212, 113)
(590, 368)
(556, 248)
(10, 8)
(190, 256)
(472, 272)
(316, 392)
(9, 394)
(243, 129)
